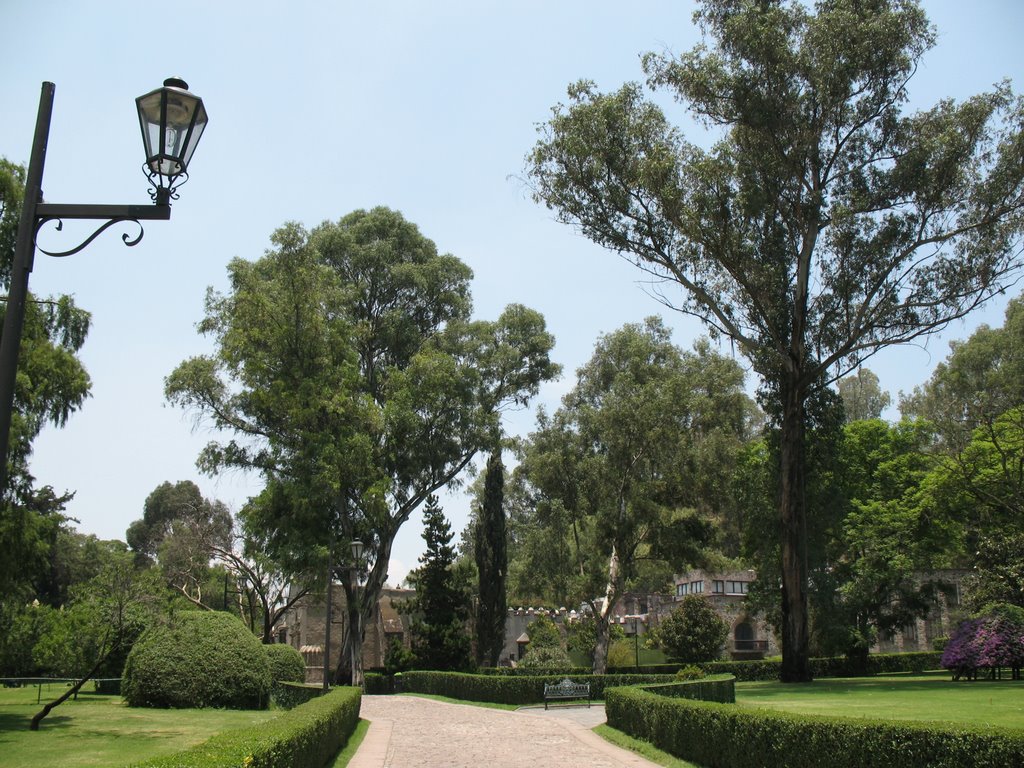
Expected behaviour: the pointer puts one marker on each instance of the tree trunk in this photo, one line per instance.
(34, 725)
(611, 595)
(792, 512)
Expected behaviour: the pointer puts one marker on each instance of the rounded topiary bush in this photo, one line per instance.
(286, 664)
(200, 659)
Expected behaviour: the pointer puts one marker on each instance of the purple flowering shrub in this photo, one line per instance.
(988, 642)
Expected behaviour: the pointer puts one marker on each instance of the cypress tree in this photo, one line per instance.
(492, 564)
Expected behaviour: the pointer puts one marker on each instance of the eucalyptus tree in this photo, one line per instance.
(823, 224)
(349, 373)
(616, 469)
(862, 396)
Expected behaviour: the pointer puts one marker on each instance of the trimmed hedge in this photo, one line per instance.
(200, 659)
(726, 736)
(305, 737)
(286, 664)
(720, 688)
(767, 669)
(289, 695)
(379, 684)
(513, 689)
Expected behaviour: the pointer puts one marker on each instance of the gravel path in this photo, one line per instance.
(410, 732)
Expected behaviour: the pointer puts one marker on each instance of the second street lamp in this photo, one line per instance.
(172, 121)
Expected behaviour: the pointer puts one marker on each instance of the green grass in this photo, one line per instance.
(102, 731)
(927, 697)
(642, 748)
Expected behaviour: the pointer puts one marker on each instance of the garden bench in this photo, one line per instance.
(566, 690)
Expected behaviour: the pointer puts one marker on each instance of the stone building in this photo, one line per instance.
(303, 629)
(751, 637)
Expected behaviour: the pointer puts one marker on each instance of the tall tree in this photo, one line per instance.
(981, 379)
(178, 512)
(491, 554)
(616, 465)
(870, 580)
(824, 223)
(862, 396)
(439, 636)
(51, 385)
(351, 377)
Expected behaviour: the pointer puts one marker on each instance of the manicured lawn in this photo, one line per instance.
(102, 731)
(931, 697)
(642, 748)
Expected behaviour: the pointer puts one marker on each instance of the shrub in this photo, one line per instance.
(513, 689)
(992, 641)
(544, 633)
(545, 657)
(200, 659)
(305, 737)
(398, 658)
(690, 672)
(622, 653)
(289, 695)
(286, 664)
(693, 631)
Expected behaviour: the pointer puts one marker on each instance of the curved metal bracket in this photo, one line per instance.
(127, 239)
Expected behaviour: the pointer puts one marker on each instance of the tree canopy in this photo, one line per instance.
(823, 224)
(349, 373)
(619, 468)
(51, 384)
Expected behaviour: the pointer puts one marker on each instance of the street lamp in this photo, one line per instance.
(172, 121)
(355, 568)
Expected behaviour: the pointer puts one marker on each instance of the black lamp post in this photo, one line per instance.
(355, 568)
(172, 121)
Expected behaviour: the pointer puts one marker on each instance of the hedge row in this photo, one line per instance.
(288, 695)
(767, 669)
(727, 736)
(720, 688)
(519, 689)
(304, 737)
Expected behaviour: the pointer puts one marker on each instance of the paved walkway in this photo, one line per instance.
(410, 732)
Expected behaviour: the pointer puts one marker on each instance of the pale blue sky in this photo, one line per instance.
(319, 108)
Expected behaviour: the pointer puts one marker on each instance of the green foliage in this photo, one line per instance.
(290, 695)
(742, 737)
(690, 673)
(198, 659)
(286, 664)
(51, 385)
(398, 658)
(634, 444)
(439, 637)
(819, 223)
(545, 657)
(998, 571)
(307, 736)
(693, 631)
(178, 511)
(491, 555)
(514, 688)
(544, 633)
(981, 378)
(862, 397)
(888, 531)
(621, 653)
(379, 390)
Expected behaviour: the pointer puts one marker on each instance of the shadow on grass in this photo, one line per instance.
(9, 722)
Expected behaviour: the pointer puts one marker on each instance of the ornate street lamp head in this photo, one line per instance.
(172, 122)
